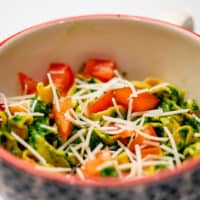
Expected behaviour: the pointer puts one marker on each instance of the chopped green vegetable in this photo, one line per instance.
(109, 171)
(50, 154)
(192, 150)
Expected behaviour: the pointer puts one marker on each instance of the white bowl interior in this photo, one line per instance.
(140, 47)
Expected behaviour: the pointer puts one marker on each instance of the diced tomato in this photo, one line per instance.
(28, 85)
(99, 68)
(89, 169)
(64, 126)
(2, 108)
(151, 150)
(140, 139)
(150, 130)
(142, 102)
(122, 96)
(124, 141)
(145, 101)
(62, 76)
(102, 103)
(65, 104)
(126, 134)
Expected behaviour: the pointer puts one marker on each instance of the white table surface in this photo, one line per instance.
(19, 14)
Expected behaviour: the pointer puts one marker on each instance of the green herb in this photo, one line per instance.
(109, 171)
(43, 108)
(94, 140)
(17, 118)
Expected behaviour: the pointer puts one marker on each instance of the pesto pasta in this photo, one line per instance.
(98, 123)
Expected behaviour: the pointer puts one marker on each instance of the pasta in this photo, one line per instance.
(98, 123)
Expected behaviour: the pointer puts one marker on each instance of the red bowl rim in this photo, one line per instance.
(97, 182)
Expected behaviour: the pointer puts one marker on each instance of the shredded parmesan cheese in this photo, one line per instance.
(50, 128)
(125, 166)
(54, 169)
(149, 136)
(152, 163)
(151, 143)
(88, 121)
(169, 150)
(197, 134)
(139, 160)
(97, 149)
(78, 146)
(131, 139)
(35, 114)
(116, 153)
(171, 139)
(19, 98)
(31, 149)
(158, 86)
(89, 134)
(117, 169)
(83, 145)
(141, 122)
(104, 165)
(116, 108)
(74, 121)
(34, 105)
(130, 107)
(167, 113)
(131, 157)
(142, 91)
(112, 132)
(196, 118)
(78, 156)
(154, 112)
(55, 96)
(80, 174)
(116, 72)
(71, 139)
(133, 127)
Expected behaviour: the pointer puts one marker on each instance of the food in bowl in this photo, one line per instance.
(98, 123)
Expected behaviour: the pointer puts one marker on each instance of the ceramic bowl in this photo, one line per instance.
(141, 47)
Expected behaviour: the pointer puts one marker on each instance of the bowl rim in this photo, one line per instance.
(96, 181)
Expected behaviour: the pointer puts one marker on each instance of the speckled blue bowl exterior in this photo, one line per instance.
(18, 185)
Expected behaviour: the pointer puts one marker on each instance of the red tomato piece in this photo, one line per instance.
(126, 134)
(28, 85)
(151, 150)
(62, 76)
(104, 70)
(142, 102)
(122, 96)
(145, 101)
(64, 126)
(140, 139)
(89, 169)
(2, 107)
(100, 104)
